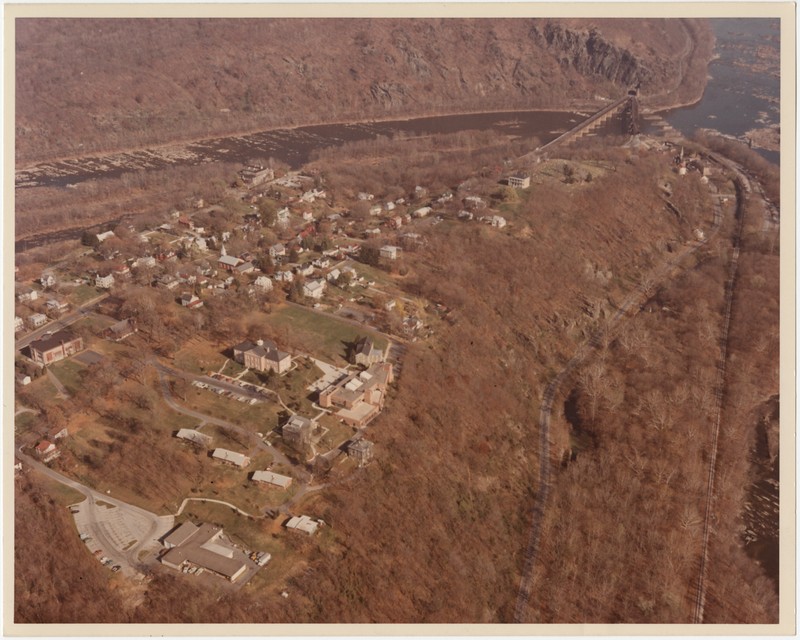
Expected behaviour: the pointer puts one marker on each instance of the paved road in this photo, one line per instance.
(123, 531)
(277, 455)
(61, 323)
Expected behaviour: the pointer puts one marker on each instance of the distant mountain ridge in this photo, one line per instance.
(88, 85)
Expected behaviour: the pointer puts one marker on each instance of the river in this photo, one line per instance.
(743, 90)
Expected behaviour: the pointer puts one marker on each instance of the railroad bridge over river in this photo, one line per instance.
(627, 106)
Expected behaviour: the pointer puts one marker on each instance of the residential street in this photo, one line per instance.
(63, 322)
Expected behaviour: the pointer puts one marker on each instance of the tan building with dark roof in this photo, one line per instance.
(56, 346)
(262, 355)
(203, 546)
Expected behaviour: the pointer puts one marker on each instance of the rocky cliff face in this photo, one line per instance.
(99, 84)
(590, 54)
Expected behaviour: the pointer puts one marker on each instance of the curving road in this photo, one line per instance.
(123, 531)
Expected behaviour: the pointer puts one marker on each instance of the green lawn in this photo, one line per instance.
(83, 293)
(24, 421)
(262, 416)
(322, 336)
(62, 494)
(200, 356)
(70, 373)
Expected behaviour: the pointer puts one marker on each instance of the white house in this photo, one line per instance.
(333, 275)
(47, 280)
(498, 221)
(277, 250)
(104, 282)
(284, 276)
(389, 252)
(422, 212)
(101, 237)
(264, 283)
(19, 325)
(314, 289)
(37, 320)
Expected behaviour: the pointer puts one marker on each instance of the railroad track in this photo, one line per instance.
(742, 187)
(632, 302)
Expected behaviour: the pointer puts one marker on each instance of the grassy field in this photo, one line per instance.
(322, 336)
(83, 293)
(201, 356)
(24, 421)
(262, 416)
(69, 372)
(62, 494)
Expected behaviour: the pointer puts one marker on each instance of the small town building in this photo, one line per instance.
(333, 275)
(54, 347)
(297, 431)
(361, 396)
(264, 283)
(48, 280)
(102, 237)
(57, 433)
(27, 294)
(231, 457)
(303, 523)
(244, 267)
(37, 320)
(19, 324)
(422, 212)
(277, 250)
(121, 330)
(465, 215)
(191, 301)
(47, 451)
(254, 175)
(262, 355)
(58, 306)
(104, 282)
(498, 221)
(389, 252)
(366, 353)
(360, 451)
(314, 289)
(284, 276)
(519, 181)
(276, 479)
(192, 435)
(203, 546)
(228, 263)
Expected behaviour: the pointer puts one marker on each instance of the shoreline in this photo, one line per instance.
(183, 143)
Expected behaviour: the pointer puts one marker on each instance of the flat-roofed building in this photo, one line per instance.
(37, 320)
(231, 457)
(268, 477)
(54, 347)
(360, 395)
(194, 436)
(297, 431)
(203, 546)
(303, 523)
(519, 181)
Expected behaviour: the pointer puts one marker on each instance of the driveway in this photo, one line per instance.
(127, 534)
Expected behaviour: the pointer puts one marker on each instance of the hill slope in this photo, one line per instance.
(86, 85)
